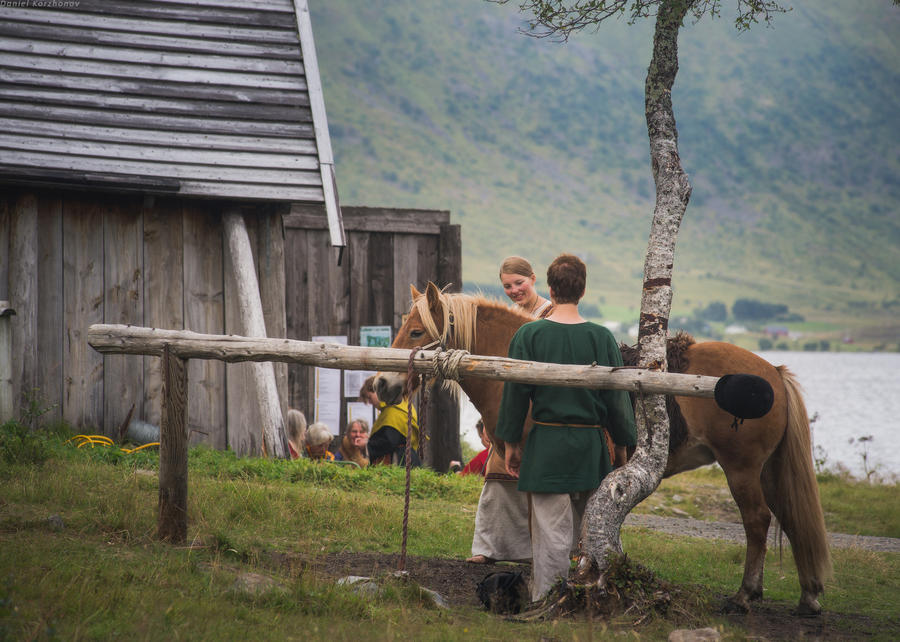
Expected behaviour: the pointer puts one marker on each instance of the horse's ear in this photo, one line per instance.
(434, 296)
(413, 292)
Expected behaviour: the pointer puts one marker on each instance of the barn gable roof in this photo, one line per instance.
(203, 98)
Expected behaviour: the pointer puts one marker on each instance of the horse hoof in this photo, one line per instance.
(732, 606)
(805, 609)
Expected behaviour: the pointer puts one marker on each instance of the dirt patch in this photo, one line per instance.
(775, 621)
(455, 580)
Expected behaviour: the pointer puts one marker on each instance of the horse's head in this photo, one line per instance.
(432, 321)
(429, 321)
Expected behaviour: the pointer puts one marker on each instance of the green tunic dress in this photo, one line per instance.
(570, 457)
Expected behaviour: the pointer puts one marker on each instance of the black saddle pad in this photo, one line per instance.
(744, 396)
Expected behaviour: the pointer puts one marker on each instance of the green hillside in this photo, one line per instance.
(790, 135)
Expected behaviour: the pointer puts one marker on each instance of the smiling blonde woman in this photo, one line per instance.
(501, 520)
(518, 279)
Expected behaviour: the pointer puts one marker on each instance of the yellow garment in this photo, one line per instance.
(396, 417)
(328, 456)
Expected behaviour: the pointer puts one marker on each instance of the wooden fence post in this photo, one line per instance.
(173, 469)
(444, 445)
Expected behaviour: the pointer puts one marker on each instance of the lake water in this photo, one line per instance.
(849, 395)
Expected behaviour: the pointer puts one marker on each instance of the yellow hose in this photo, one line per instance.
(103, 440)
(152, 443)
(134, 450)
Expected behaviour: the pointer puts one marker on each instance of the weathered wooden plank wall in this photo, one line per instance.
(6, 385)
(387, 251)
(80, 259)
(82, 306)
(23, 295)
(204, 99)
(271, 269)
(160, 263)
(164, 295)
(296, 304)
(204, 307)
(406, 272)
(209, 98)
(123, 283)
(327, 296)
(4, 248)
(50, 332)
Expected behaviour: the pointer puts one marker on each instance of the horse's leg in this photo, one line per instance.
(741, 456)
(811, 584)
(791, 490)
(744, 482)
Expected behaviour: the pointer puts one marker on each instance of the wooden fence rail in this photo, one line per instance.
(177, 346)
(122, 339)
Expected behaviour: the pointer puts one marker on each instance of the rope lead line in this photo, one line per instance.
(410, 384)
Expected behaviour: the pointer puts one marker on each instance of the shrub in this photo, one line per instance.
(753, 310)
(20, 445)
(715, 311)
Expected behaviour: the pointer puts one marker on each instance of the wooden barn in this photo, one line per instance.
(144, 147)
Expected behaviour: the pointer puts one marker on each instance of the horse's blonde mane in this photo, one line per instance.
(464, 308)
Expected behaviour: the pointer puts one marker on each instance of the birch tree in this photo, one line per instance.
(627, 486)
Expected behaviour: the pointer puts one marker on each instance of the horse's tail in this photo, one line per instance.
(795, 497)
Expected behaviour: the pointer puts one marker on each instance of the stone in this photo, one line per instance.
(435, 597)
(365, 586)
(694, 635)
(256, 583)
(56, 523)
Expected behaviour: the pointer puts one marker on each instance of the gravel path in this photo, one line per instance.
(735, 532)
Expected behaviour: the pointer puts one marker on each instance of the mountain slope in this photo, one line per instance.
(790, 135)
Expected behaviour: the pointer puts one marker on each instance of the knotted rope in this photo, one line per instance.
(445, 363)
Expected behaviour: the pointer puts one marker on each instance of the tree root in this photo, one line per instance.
(625, 589)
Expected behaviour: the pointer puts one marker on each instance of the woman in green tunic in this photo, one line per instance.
(565, 456)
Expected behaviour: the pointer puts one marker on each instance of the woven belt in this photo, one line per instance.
(550, 423)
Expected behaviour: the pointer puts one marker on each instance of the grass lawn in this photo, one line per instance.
(79, 558)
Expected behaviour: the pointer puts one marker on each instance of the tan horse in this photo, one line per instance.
(767, 461)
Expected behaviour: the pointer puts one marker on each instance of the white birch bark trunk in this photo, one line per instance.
(625, 487)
